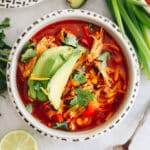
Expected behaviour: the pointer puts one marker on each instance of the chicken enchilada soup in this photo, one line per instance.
(72, 76)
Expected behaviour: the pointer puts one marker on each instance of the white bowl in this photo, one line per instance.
(112, 29)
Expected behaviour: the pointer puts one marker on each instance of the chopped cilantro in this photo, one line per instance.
(90, 27)
(37, 86)
(4, 53)
(103, 58)
(82, 98)
(3, 45)
(29, 108)
(62, 125)
(70, 40)
(2, 35)
(29, 45)
(5, 23)
(30, 53)
(79, 77)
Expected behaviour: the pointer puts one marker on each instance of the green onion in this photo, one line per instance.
(146, 34)
(142, 47)
(130, 11)
(136, 2)
(109, 3)
(118, 16)
(142, 16)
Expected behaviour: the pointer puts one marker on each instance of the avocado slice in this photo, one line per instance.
(50, 61)
(46, 66)
(57, 83)
(76, 3)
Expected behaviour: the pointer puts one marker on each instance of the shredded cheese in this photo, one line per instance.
(33, 77)
(44, 90)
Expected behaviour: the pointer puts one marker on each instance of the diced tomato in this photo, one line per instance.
(85, 42)
(86, 31)
(59, 118)
(91, 109)
(49, 124)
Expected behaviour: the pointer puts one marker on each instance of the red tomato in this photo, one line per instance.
(85, 42)
(59, 118)
(91, 109)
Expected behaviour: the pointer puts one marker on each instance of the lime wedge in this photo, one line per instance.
(18, 140)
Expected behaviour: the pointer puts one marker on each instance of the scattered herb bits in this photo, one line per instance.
(4, 52)
(80, 77)
(62, 125)
(82, 98)
(30, 53)
(103, 59)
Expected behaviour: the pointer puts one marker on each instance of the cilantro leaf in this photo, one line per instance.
(82, 98)
(4, 52)
(80, 77)
(90, 27)
(29, 45)
(103, 58)
(70, 40)
(74, 101)
(3, 45)
(62, 125)
(37, 86)
(2, 35)
(29, 108)
(30, 53)
(5, 23)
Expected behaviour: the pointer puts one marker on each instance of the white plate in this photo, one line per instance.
(17, 3)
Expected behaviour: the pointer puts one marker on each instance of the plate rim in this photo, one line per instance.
(19, 5)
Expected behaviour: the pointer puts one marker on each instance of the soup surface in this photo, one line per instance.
(72, 75)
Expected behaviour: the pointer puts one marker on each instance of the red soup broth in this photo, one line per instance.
(108, 99)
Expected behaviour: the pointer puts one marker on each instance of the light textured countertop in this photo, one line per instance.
(10, 120)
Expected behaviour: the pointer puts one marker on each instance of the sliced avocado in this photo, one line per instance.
(57, 83)
(50, 61)
(76, 3)
(46, 66)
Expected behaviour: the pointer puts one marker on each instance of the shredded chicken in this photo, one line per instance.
(97, 45)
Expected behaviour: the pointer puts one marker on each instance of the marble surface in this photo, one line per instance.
(10, 120)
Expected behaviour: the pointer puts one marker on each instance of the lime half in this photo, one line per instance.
(18, 140)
